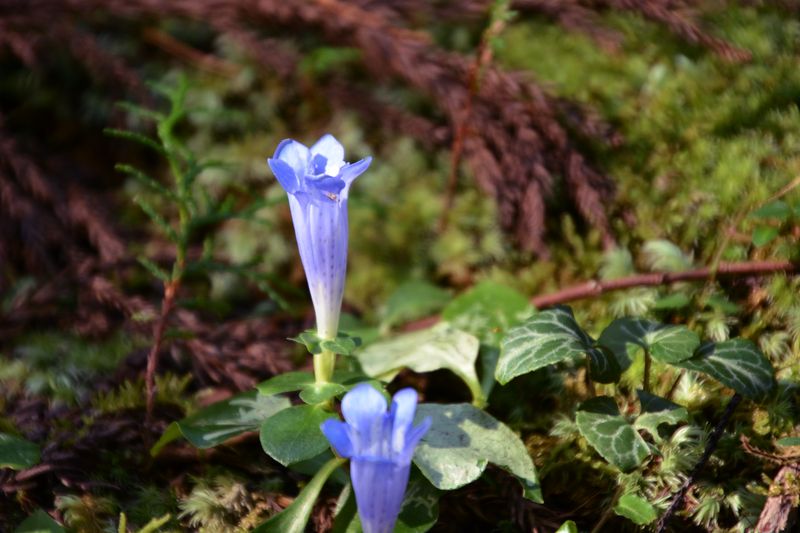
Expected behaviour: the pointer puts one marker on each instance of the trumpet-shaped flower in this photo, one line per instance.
(318, 180)
(380, 445)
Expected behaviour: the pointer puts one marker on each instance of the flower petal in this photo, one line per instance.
(333, 151)
(363, 407)
(325, 185)
(286, 175)
(412, 440)
(404, 404)
(336, 433)
(353, 170)
(323, 249)
(295, 154)
(380, 487)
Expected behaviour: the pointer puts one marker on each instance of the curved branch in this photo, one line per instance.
(591, 288)
(596, 287)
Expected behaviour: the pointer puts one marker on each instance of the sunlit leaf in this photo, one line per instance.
(413, 300)
(599, 421)
(292, 435)
(547, 338)
(220, 421)
(461, 442)
(627, 337)
(737, 363)
(636, 509)
(441, 346)
(487, 310)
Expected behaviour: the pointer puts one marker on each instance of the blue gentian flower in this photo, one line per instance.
(380, 446)
(318, 181)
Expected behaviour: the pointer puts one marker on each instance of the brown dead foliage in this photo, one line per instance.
(519, 139)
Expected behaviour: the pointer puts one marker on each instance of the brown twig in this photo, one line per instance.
(591, 288)
(609, 510)
(654, 279)
(167, 304)
(483, 57)
(713, 440)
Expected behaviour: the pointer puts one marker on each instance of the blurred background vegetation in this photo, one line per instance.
(600, 138)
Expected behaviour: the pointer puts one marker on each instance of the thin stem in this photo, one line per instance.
(593, 288)
(608, 512)
(647, 364)
(674, 387)
(596, 288)
(167, 304)
(588, 380)
(324, 364)
(483, 58)
(713, 440)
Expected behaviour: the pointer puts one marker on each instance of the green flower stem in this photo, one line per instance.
(478, 399)
(323, 366)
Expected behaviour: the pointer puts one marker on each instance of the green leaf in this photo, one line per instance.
(548, 337)
(603, 366)
(487, 310)
(159, 221)
(345, 516)
(737, 363)
(678, 300)
(17, 453)
(487, 359)
(651, 421)
(663, 256)
(144, 140)
(293, 519)
(722, 304)
(310, 340)
(778, 209)
(154, 270)
(286, 382)
(356, 328)
(321, 392)
(568, 527)
(763, 235)
(294, 434)
(441, 346)
(141, 112)
(600, 422)
(39, 522)
(462, 440)
(636, 509)
(220, 421)
(788, 441)
(413, 300)
(146, 180)
(627, 337)
(650, 403)
(343, 344)
(420, 508)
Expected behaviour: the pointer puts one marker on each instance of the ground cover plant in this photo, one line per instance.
(399, 266)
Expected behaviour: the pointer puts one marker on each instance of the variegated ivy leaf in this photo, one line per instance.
(650, 422)
(656, 411)
(441, 346)
(463, 440)
(626, 337)
(607, 431)
(737, 363)
(550, 337)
